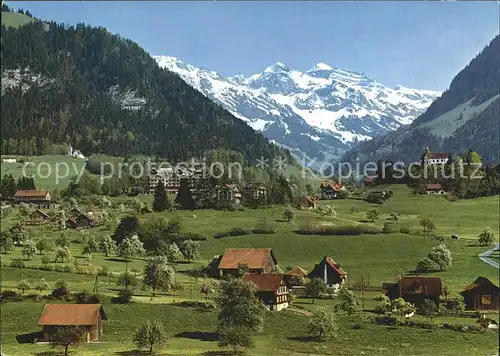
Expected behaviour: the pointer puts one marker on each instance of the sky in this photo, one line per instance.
(420, 45)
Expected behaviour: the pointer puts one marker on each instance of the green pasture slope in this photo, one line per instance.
(14, 19)
(377, 258)
(49, 171)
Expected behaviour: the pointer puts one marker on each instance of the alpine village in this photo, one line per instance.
(123, 235)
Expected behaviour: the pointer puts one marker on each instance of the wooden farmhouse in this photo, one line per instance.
(87, 316)
(256, 190)
(39, 198)
(38, 217)
(434, 189)
(298, 271)
(415, 289)
(270, 289)
(481, 294)
(228, 193)
(79, 220)
(308, 202)
(330, 189)
(258, 261)
(329, 271)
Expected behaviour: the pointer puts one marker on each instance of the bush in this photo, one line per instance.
(17, 264)
(338, 230)
(388, 228)
(87, 298)
(46, 259)
(104, 271)
(61, 293)
(124, 296)
(238, 231)
(8, 295)
(263, 227)
(193, 236)
(404, 230)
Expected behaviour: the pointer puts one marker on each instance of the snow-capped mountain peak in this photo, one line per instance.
(320, 112)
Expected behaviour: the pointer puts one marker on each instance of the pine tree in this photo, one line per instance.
(184, 197)
(160, 201)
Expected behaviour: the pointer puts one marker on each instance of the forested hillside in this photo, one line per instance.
(466, 116)
(104, 94)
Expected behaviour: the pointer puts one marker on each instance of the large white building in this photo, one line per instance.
(171, 176)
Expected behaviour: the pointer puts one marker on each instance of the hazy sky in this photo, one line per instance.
(416, 44)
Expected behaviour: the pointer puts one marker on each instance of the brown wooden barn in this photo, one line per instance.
(270, 289)
(415, 289)
(258, 260)
(88, 316)
(481, 294)
(79, 220)
(41, 198)
(329, 271)
(37, 217)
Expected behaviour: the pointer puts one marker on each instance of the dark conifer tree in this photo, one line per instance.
(160, 201)
(184, 197)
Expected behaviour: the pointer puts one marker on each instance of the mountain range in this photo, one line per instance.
(466, 116)
(320, 113)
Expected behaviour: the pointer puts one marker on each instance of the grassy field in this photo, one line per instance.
(15, 19)
(377, 258)
(49, 171)
(191, 332)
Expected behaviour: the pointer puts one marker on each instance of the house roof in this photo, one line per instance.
(437, 155)
(78, 212)
(38, 211)
(233, 187)
(265, 282)
(480, 281)
(71, 314)
(253, 257)
(297, 271)
(330, 184)
(335, 266)
(310, 198)
(31, 193)
(430, 286)
(435, 186)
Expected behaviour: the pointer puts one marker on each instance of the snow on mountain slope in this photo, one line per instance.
(319, 113)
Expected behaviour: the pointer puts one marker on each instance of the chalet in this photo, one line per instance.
(415, 289)
(270, 289)
(228, 193)
(87, 316)
(308, 202)
(330, 189)
(79, 220)
(434, 189)
(294, 272)
(329, 271)
(38, 217)
(256, 190)
(258, 261)
(481, 294)
(41, 198)
(434, 158)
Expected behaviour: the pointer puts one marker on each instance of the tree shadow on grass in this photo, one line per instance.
(199, 335)
(135, 352)
(50, 353)
(281, 220)
(112, 259)
(29, 338)
(220, 353)
(302, 338)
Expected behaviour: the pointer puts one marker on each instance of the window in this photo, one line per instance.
(486, 299)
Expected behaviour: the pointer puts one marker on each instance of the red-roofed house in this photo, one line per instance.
(329, 271)
(435, 188)
(329, 189)
(258, 260)
(41, 198)
(270, 288)
(87, 316)
(415, 289)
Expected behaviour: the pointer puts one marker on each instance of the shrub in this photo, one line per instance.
(388, 228)
(124, 296)
(9, 294)
(263, 227)
(238, 231)
(339, 230)
(46, 259)
(61, 293)
(404, 230)
(104, 271)
(17, 264)
(69, 269)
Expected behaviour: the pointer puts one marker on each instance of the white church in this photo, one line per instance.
(75, 153)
